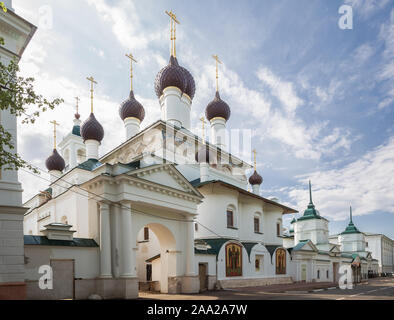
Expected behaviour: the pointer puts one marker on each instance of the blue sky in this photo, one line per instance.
(319, 99)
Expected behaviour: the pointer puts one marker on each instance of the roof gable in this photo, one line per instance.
(167, 175)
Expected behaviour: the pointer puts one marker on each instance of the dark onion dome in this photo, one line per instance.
(171, 75)
(217, 108)
(77, 116)
(131, 108)
(191, 85)
(91, 129)
(203, 155)
(55, 162)
(255, 178)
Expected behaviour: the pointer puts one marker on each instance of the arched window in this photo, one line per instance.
(257, 222)
(279, 228)
(231, 218)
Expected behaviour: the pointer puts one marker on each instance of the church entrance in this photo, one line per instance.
(155, 258)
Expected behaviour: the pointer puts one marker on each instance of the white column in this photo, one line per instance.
(176, 107)
(218, 132)
(128, 253)
(92, 147)
(256, 189)
(132, 126)
(105, 242)
(204, 172)
(190, 265)
(54, 175)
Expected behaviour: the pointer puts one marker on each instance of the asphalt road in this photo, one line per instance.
(374, 289)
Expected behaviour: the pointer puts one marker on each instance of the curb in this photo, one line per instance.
(310, 291)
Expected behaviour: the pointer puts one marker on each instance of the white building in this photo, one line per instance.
(153, 212)
(381, 248)
(17, 34)
(317, 257)
(166, 210)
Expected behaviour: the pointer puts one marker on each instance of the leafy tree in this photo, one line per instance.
(17, 95)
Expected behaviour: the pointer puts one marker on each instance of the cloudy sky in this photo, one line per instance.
(318, 99)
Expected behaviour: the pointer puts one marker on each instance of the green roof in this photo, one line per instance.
(44, 241)
(310, 212)
(217, 243)
(90, 164)
(76, 130)
(351, 228)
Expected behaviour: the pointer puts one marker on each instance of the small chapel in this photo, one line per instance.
(168, 210)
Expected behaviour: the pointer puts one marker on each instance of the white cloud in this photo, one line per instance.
(366, 183)
(366, 8)
(282, 90)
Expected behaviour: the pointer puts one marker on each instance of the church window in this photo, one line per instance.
(256, 224)
(257, 264)
(327, 274)
(278, 229)
(230, 218)
(196, 227)
(318, 274)
(146, 233)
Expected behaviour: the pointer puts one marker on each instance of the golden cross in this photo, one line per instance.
(174, 22)
(255, 159)
(202, 119)
(92, 82)
(130, 56)
(54, 132)
(77, 98)
(216, 57)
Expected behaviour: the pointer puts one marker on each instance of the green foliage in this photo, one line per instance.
(17, 95)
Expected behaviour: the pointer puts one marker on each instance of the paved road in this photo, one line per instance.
(374, 289)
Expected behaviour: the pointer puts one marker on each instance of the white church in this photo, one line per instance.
(168, 211)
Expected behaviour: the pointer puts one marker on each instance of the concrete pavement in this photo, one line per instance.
(373, 289)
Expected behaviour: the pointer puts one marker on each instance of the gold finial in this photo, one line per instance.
(130, 56)
(173, 21)
(255, 159)
(54, 132)
(202, 119)
(216, 57)
(92, 82)
(77, 99)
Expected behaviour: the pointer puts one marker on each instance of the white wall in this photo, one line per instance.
(86, 260)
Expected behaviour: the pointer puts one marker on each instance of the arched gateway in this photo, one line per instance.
(167, 211)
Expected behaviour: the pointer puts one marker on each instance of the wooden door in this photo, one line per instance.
(63, 279)
(202, 272)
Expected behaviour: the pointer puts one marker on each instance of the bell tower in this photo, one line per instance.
(73, 149)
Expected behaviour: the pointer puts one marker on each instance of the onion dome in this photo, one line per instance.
(191, 85)
(55, 162)
(217, 108)
(91, 129)
(203, 155)
(171, 75)
(131, 108)
(255, 178)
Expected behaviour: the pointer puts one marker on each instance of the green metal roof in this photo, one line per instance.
(44, 241)
(90, 164)
(310, 212)
(351, 228)
(76, 130)
(217, 243)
